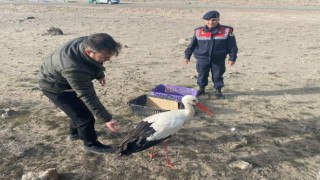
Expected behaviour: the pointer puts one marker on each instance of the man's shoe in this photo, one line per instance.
(97, 148)
(73, 134)
(201, 91)
(219, 94)
(73, 137)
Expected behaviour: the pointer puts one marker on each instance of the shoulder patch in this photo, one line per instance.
(231, 31)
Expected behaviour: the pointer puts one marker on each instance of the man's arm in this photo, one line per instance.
(81, 83)
(232, 47)
(191, 47)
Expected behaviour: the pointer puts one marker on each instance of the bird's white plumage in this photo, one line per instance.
(158, 128)
(168, 123)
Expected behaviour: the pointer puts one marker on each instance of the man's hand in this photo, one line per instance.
(113, 125)
(186, 61)
(102, 81)
(230, 63)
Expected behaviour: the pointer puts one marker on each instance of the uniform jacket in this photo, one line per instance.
(213, 45)
(69, 68)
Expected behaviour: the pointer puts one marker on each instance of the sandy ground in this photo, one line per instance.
(272, 92)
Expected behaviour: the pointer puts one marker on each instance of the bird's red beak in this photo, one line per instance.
(203, 108)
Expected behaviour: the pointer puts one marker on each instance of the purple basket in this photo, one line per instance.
(172, 92)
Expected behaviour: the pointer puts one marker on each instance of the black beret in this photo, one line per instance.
(211, 14)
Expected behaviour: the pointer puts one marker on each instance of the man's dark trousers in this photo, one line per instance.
(81, 119)
(217, 71)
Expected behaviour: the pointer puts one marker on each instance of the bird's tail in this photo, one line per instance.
(123, 147)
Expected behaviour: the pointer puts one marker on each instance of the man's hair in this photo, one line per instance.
(102, 42)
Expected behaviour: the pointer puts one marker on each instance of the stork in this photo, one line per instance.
(158, 128)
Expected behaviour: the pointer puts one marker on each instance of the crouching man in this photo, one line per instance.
(66, 78)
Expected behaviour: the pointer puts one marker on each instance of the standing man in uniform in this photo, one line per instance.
(66, 77)
(210, 45)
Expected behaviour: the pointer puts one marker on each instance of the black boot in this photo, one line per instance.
(97, 147)
(201, 91)
(219, 94)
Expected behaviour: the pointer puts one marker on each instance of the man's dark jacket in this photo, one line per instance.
(213, 45)
(69, 68)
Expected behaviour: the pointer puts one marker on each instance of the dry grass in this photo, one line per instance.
(198, 150)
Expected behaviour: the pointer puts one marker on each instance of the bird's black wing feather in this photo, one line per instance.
(136, 141)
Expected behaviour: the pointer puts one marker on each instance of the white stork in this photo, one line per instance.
(159, 127)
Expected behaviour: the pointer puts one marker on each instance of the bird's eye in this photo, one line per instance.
(194, 101)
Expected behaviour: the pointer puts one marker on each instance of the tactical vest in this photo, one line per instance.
(223, 33)
(212, 46)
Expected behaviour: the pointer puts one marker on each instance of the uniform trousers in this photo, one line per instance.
(217, 70)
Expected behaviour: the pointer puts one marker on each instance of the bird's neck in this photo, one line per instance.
(189, 110)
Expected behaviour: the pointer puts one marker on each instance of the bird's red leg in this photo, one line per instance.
(151, 153)
(169, 164)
